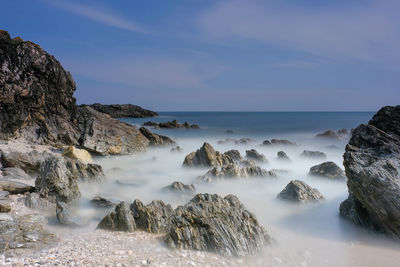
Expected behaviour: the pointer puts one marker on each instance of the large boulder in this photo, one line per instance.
(372, 164)
(216, 224)
(299, 191)
(27, 161)
(206, 156)
(123, 111)
(121, 219)
(329, 170)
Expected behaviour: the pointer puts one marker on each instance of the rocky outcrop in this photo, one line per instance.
(154, 217)
(121, 219)
(216, 224)
(19, 233)
(123, 111)
(37, 105)
(171, 125)
(241, 141)
(282, 155)
(299, 191)
(329, 170)
(155, 139)
(313, 154)
(234, 155)
(179, 188)
(279, 142)
(206, 156)
(254, 155)
(5, 207)
(329, 135)
(372, 164)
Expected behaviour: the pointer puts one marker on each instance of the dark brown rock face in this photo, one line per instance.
(125, 110)
(372, 164)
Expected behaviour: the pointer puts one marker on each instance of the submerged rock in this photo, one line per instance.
(123, 111)
(372, 164)
(216, 224)
(329, 135)
(313, 154)
(254, 155)
(329, 170)
(206, 156)
(180, 188)
(343, 132)
(299, 191)
(282, 155)
(35, 201)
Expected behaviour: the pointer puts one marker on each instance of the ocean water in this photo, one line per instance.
(312, 234)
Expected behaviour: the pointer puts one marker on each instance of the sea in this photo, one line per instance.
(310, 234)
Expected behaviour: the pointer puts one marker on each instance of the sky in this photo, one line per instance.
(203, 55)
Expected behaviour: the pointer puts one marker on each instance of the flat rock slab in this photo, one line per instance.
(15, 187)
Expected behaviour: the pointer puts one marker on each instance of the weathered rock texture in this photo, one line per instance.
(37, 105)
(255, 155)
(221, 225)
(299, 191)
(121, 219)
(372, 164)
(154, 217)
(156, 139)
(125, 110)
(329, 170)
(206, 156)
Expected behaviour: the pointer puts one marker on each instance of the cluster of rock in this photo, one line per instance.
(241, 141)
(372, 166)
(123, 111)
(37, 105)
(278, 142)
(331, 135)
(171, 125)
(206, 223)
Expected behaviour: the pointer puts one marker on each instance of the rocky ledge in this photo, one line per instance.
(171, 125)
(372, 164)
(123, 111)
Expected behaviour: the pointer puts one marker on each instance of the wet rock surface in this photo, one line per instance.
(123, 111)
(372, 164)
(104, 202)
(65, 217)
(329, 170)
(299, 191)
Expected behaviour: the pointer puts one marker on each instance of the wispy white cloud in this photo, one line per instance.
(103, 16)
(365, 32)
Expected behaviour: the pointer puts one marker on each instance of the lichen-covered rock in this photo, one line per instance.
(78, 154)
(255, 155)
(216, 224)
(154, 217)
(372, 164)
(155, 139)
(329, 170)
(121, 219)
(299, 191)
(123, 111)
(313, 154)
(180, 188)
(206, 156)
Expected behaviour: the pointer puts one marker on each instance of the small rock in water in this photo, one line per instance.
(299, 191)
(64, 216)
(313, 154)
(329, 135)
(329, 170)
(282, 155)
(254, 155)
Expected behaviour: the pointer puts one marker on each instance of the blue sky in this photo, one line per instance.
(293, 55)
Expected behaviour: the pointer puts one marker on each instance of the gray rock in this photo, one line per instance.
(313, 154)
(4, 207)
(180, 188)
(279, 142)
(299, 191)
(343, 132)
(154, 217)
(216, 224)
(172, 125)
(329, 170)
(254, 155)
(176, 149)
(16, 173)
(4, 194)
(104, 202)
(206, 156)
(123, 111)
(234, 155)
(28, 162)
(64, 216)
(329, 135)
(282, 156)
(155, 139)
(121, 219)
(15, 187)
(372, 164)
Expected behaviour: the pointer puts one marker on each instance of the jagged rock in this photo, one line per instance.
(121, 219)
(329, 170)
(123, 111)
(14, 187)
(176, 149)
(313, 154)
(254, 155)
(299, 191)
(64, 215)
(25, 232)
(343, 132)
(372, 164)
(206, 156)
(171, 125)
(34, 201)
(234, 154)
(279, 142)
(5, 207)
(155, 139)
(16, 173)
(180, 188)
(329, 135)
(28, 162)
(104, 202)
(58, 178)
(234, 171)
(78, 154)
(282, 155)
(216, 224)
(154, 217)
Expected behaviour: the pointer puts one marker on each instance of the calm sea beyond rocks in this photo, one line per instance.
(49, 146)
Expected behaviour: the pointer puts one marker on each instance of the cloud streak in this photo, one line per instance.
(99, 15)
